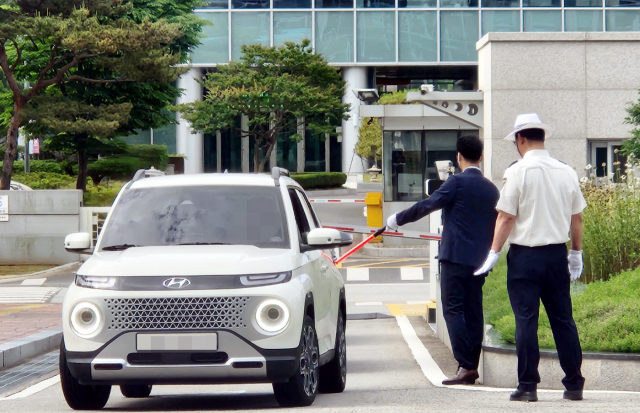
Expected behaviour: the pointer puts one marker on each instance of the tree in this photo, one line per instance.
(277, 89)
(44, 43)
(631, 147)
(369, 145)
(79, 117)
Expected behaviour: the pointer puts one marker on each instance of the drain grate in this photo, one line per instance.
(14, 379)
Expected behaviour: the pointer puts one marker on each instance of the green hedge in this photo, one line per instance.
(44, 180)
(121, 167)
(49, 166)
(149, 155)
(607, 313)
(320, 180)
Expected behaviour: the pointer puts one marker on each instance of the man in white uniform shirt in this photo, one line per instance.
(539, 211)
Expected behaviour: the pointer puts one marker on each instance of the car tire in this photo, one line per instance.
(80, 396)
(302, 387)
(333, 375)
(136, 391)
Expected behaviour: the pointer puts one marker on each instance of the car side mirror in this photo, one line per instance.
(79, 243)
(325, 238)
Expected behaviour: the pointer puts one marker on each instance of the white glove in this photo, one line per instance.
(575, 264)
(489, 263)
(392, 223)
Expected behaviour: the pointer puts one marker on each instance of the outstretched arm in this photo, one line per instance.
(438, 200)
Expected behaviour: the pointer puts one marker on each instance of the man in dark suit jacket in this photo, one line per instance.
(468, 201)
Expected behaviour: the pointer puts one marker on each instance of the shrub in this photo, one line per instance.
(607, 313)
(49, 166)
(149, 155)
(101, 195)
(611, 223)
(121, 167)
(320, 180)
(45, 180)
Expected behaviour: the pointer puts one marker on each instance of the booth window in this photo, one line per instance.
(410, 156)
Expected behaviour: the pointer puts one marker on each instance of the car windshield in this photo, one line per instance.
(197, 215)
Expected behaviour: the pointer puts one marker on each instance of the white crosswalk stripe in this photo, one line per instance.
(357, 274)
(11, 295)
(411, 274)
(34, 281)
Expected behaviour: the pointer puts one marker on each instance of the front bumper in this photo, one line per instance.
(235, 361)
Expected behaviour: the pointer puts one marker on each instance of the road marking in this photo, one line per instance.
(19, 308)
(408, 309)
(419, 302)
(434, 374)
(34, 281)
(357, 274)
(411, 274)
(431, 370)
(13, 295)
(38, 387)
(369, 303)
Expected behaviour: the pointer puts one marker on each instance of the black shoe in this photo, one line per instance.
(572, 395)
(524, 396)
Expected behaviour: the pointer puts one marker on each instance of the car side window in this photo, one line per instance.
(300, 214)
(306, 205)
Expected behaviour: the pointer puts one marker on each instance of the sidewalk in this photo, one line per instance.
(27, 330)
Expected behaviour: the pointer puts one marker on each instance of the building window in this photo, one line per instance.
(215, 4)
(542, 21)
(583, 21)
(250, 4)
(541, 3)
(214, 47)
(412, 160)
(500, 3)
(247, 29)
(376, 36)
(458, 36)
(500, 21)
(291, 4)
(415, 4)
(418, 36)
(623, 20)
(334, 4)
(291, 27)
(334, 35)
(606, 160)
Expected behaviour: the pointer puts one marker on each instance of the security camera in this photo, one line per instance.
(424, 89)
(444, 169)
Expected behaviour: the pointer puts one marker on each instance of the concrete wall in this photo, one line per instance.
(38, 223)
(579, 83)
(601, 372)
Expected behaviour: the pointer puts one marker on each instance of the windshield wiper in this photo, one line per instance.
(204, 243)
(120, 247)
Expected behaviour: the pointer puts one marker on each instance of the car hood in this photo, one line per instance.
(190, 260)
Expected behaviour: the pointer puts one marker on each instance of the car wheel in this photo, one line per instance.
(136, 391)
(80, 396)
(333, 375)
(302, 387)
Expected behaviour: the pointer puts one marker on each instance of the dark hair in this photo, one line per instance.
(470, 147)
(534, 134)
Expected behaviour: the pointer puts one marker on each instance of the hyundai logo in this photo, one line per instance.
(176, 283)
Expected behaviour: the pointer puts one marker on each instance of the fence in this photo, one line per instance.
(92, 220)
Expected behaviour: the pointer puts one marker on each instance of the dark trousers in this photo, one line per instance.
(462, 308)
(534, 274)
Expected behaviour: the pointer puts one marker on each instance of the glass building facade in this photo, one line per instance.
(374, 32)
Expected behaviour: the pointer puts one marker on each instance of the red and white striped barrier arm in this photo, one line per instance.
(370, 230)
(336, 201)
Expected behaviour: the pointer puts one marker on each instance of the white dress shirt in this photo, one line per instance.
(543, 193)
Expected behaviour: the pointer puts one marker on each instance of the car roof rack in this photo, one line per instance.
(145, 173)
(276, 173)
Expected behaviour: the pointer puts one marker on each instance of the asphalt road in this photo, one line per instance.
(383, 376)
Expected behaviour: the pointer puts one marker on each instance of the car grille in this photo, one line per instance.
(176, 313)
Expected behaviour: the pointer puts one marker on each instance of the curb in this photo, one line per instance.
(53, 270)
(15, 352)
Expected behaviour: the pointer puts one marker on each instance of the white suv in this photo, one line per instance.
(211, 278)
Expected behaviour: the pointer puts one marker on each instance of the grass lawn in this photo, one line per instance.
(22, 269)
(607, 313)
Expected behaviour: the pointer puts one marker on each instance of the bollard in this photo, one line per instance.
(373, 201)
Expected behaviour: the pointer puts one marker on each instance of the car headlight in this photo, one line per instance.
(86, 319)
(257, 280)
(272, 315)
(91, 281)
